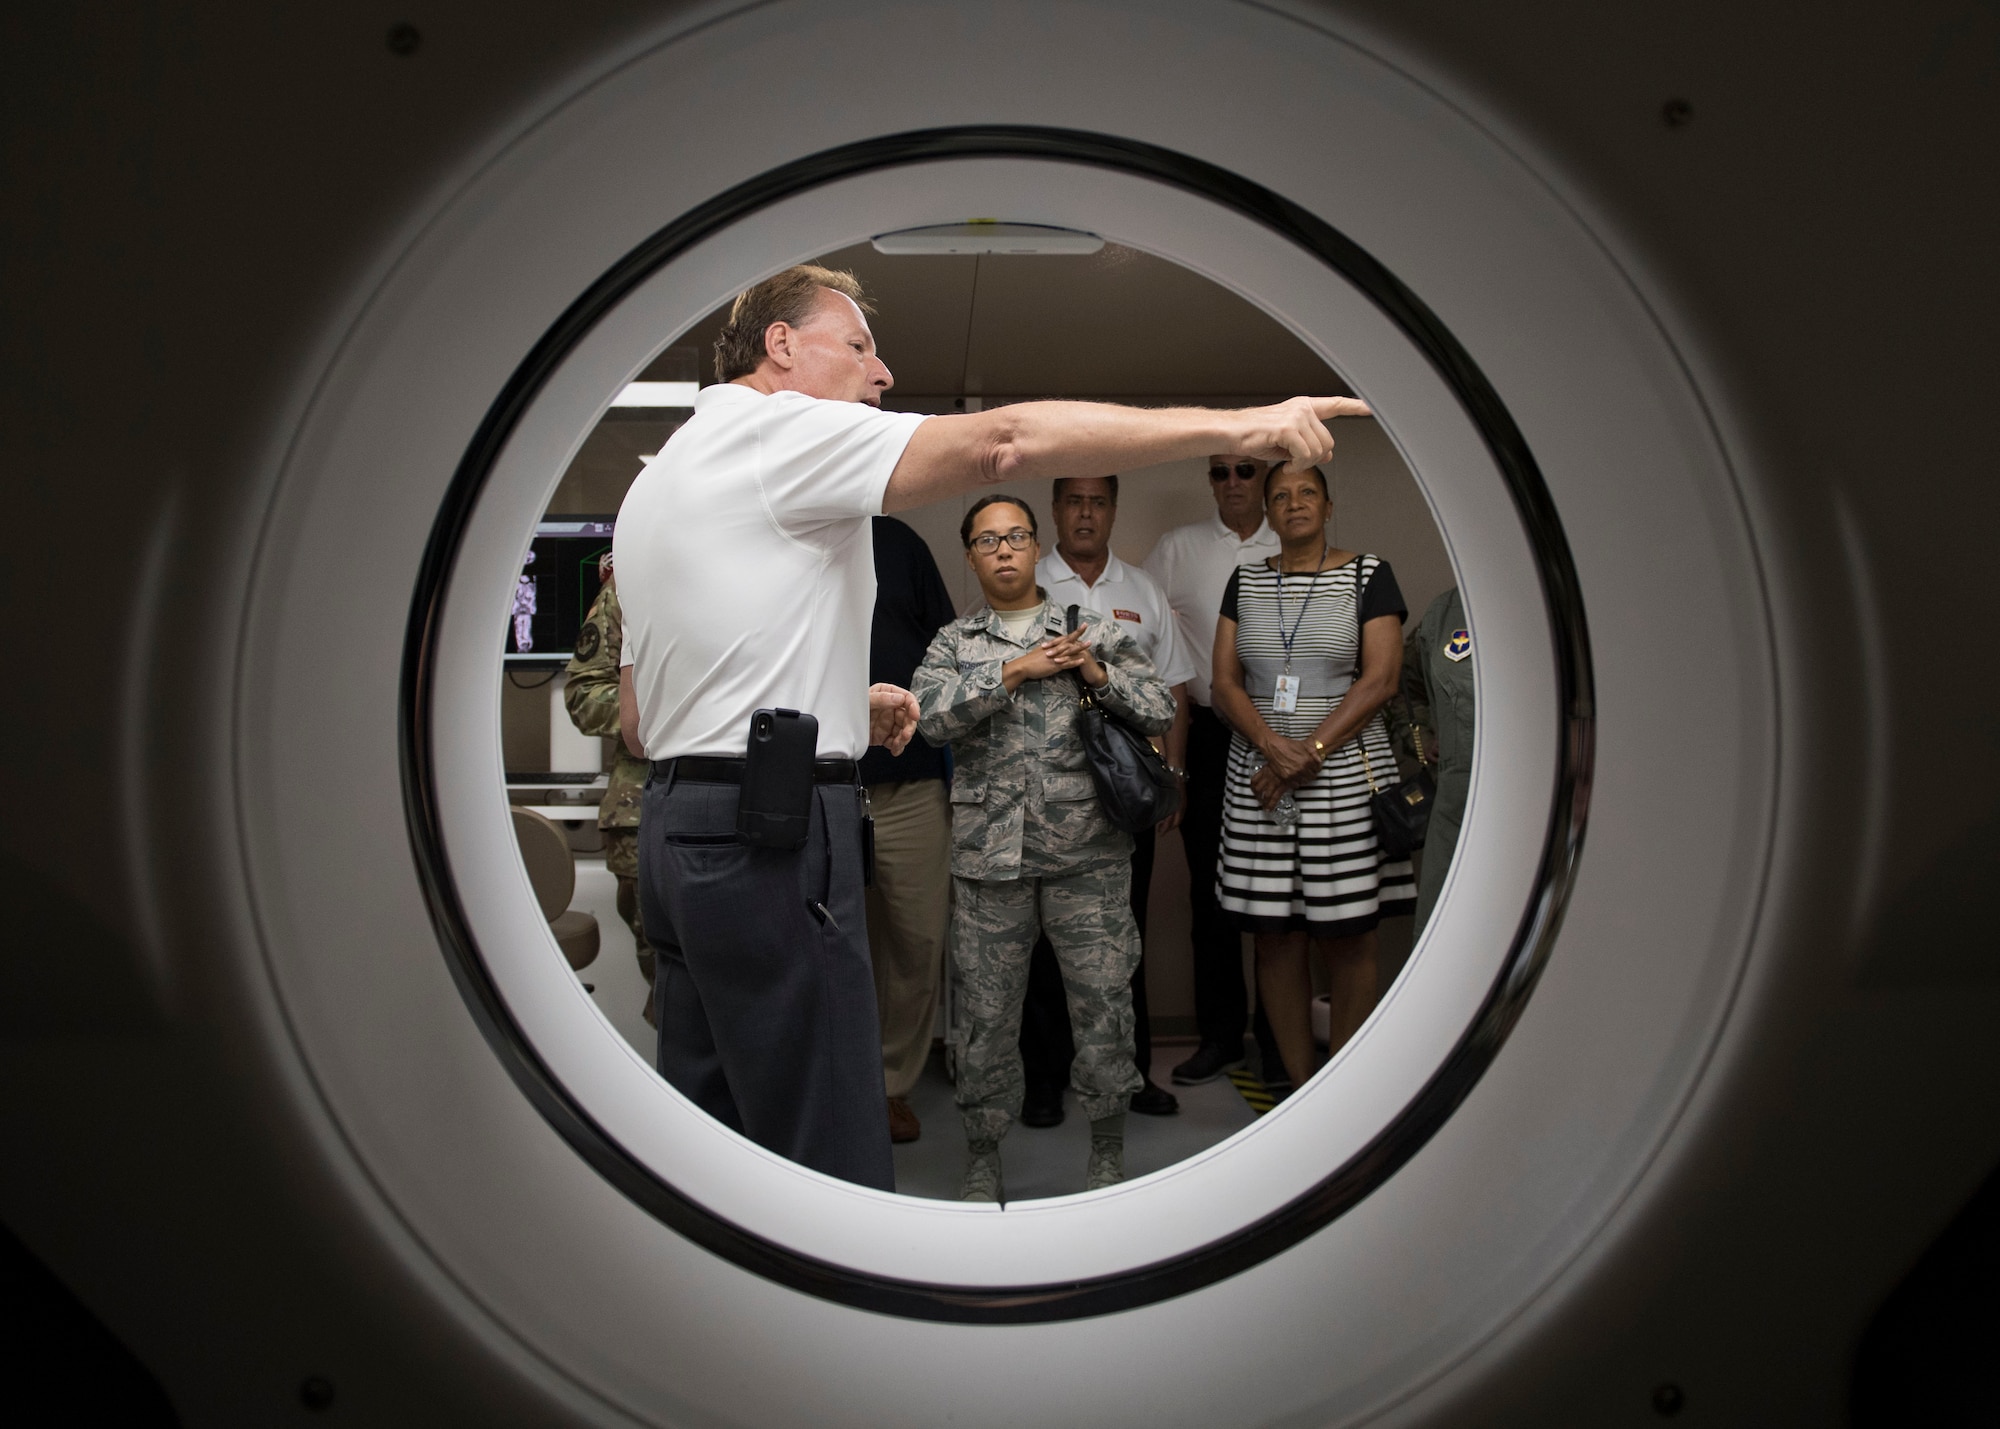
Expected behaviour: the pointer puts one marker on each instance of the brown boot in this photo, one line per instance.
(903, 1123)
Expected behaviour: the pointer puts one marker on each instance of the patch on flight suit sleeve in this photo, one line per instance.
(1459, 646)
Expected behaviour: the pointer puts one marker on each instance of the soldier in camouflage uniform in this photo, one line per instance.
(1032, 850)
(591, 696)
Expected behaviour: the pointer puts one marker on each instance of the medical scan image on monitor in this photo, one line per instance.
(558, 581)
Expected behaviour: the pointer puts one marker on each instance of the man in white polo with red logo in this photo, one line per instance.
(746, 568)
(1083, 570)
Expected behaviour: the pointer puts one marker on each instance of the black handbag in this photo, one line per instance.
(1133, 785)
(1401, 812)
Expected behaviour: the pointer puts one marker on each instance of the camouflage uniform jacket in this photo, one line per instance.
(591, 696)
(1022, 801)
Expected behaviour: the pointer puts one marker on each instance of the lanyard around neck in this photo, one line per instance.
(1311, 590)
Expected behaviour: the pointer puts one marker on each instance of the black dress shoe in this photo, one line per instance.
(1154, 1100)
(1043, 1109)
(1207, 1063)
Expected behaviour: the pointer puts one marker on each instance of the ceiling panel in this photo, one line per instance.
(1126, 323)
(1115, 324)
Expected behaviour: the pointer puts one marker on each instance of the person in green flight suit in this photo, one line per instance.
(1436, 714)
(591, 695)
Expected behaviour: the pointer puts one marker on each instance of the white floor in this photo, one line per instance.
(618, 989)
(1038, 1162)
(1050, 1161)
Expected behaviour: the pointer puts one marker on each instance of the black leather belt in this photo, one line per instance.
(712, 769)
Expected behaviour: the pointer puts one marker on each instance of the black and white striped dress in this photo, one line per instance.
(1324, 874)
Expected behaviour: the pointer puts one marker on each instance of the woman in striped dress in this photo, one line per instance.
(1308, 651)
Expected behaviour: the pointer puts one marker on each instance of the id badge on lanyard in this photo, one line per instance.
(1285, 689)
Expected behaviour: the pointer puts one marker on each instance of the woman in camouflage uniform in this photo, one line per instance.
(1031, 849)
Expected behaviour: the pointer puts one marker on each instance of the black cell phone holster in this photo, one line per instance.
(775, 810)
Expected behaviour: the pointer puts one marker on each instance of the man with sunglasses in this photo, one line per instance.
(746, 570)
(1192, 564)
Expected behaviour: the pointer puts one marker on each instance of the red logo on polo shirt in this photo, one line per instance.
(1131, 615)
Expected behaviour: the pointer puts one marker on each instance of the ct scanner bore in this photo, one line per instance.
(356, 457)
(1658, 1161)
(913, 162)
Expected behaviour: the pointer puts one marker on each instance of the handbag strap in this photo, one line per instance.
(1367, 769)
(1361, 734)
(1085, 698)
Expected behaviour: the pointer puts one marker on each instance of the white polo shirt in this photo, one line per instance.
(1130, 597)
(1192, 565)
(746, 569)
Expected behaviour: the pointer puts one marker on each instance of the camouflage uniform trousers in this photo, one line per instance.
(1088, 918)
(621, 861)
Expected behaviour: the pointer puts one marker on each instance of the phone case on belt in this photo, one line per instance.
(776, 805)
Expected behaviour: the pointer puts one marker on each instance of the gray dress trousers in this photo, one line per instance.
(766, 1005)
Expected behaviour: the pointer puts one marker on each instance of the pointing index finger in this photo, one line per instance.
(1327, 408)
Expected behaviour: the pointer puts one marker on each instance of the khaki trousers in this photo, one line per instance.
(907, 911)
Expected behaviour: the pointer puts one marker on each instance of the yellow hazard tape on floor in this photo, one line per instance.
(1251, 1088)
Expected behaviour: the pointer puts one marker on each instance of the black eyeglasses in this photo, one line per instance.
(1245, 471)
(987, 542)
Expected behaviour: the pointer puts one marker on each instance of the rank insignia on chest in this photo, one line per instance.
(1129, 616)
(1459, 646)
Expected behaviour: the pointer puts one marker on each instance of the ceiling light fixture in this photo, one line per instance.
(986, 235)
(657, 394)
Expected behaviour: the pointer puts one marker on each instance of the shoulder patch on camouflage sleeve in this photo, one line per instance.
(587, 641)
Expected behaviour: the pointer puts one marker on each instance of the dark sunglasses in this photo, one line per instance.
(1245, 471)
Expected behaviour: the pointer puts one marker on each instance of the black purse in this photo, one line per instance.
(1133, 785)
(1401, 812)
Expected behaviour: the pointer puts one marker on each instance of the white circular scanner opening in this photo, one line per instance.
(529, 1167)
(971, 331)
(1282, 1157)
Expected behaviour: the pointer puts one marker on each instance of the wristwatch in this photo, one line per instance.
(1319, 749)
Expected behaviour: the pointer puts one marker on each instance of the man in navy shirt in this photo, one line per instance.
(910, 901)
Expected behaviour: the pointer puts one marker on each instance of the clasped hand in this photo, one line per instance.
(1288, 764)
(1053, 657)
(892, 717)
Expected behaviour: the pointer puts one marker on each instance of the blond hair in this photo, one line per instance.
(788, 298)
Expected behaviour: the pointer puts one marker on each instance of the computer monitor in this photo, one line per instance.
(556, 587)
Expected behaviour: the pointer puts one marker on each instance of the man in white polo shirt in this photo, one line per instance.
(1083, 570)
(746, 568)
(1192, 565)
